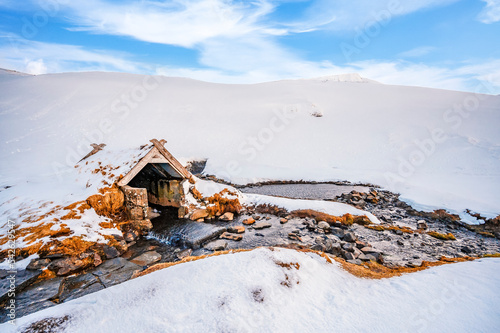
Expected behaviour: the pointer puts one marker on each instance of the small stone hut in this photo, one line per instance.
(158, 178)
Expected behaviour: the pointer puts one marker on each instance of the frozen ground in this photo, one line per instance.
(286, 291)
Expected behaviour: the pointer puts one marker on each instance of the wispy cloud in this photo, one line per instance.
(182, 22)
(491, 13)
(417, 52)
(39, 57)
(352, 15)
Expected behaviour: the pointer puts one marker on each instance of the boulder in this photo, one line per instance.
(199, 214)
(70, 265)
(147, 258)
(131, 236)
(283, 220)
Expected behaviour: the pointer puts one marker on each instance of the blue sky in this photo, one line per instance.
(452, 44)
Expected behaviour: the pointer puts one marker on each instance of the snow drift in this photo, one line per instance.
(286, 291)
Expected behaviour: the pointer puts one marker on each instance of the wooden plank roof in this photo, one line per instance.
(157, 154)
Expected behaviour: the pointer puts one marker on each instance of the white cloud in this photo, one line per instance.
(417, 52)
(39, 57)
(491, 13)
(181, 22)
(360, 14)
(36, 67)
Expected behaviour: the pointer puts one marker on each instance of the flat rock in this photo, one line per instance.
(147, 258)
(262, 225)
(23, 278)
(36, 264)
(228, 216)
(249, 221)
(77, 286)
(230, 236)
(350, 237)
(217, 245)
(237, 229)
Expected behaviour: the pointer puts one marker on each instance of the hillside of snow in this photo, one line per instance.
(284, 291)
(438, 148)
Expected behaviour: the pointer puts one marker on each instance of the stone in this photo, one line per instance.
(23, 278)
(336, 249)
(97, 259)
(414, 263)
(256, 217)
(217, 245)
(228, 216)
(421, 224)
(147, 258)
(262, 225)
(283, 220)
(142, 226)
(348, 255)
(110, 252)
(184, 253)
(317, 247)
(36, 264)
(198, 214)
(367, 257)
(236, 229)
(355, 261)
(77, 286)
(259, 234)
(339, 232)
(131, 236)
(294, 236)
(70, 265)
(323, 225)
(231, 236)
(467, 249)
(350, 237)
(349, 247)
(249, 221)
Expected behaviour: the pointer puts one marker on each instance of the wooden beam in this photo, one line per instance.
(176, 165)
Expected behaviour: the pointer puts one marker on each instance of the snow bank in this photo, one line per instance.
(287, 291)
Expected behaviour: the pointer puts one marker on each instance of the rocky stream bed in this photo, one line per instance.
(405, 237)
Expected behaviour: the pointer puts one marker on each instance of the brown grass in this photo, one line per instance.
(346, 219)
(435, 234)
(390, 228)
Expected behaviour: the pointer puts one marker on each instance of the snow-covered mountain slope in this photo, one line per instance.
(438, 148)
(284, 291)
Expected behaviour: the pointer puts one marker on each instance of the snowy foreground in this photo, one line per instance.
(286, 291)
(438, 148)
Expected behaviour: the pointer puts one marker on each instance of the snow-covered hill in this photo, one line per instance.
(438, 148)
(283, 291)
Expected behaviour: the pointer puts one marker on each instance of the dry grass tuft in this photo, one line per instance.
(346, 219)
(435, 234)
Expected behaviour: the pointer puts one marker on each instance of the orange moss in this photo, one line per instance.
(435, 234)
(346, 219)
(220, 204)
(390, 228)
(196, 194)
(110, 202)
(72, 215)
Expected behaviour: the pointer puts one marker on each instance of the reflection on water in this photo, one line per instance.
(304, 191)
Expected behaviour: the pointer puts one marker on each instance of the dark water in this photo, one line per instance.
(304, 191)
